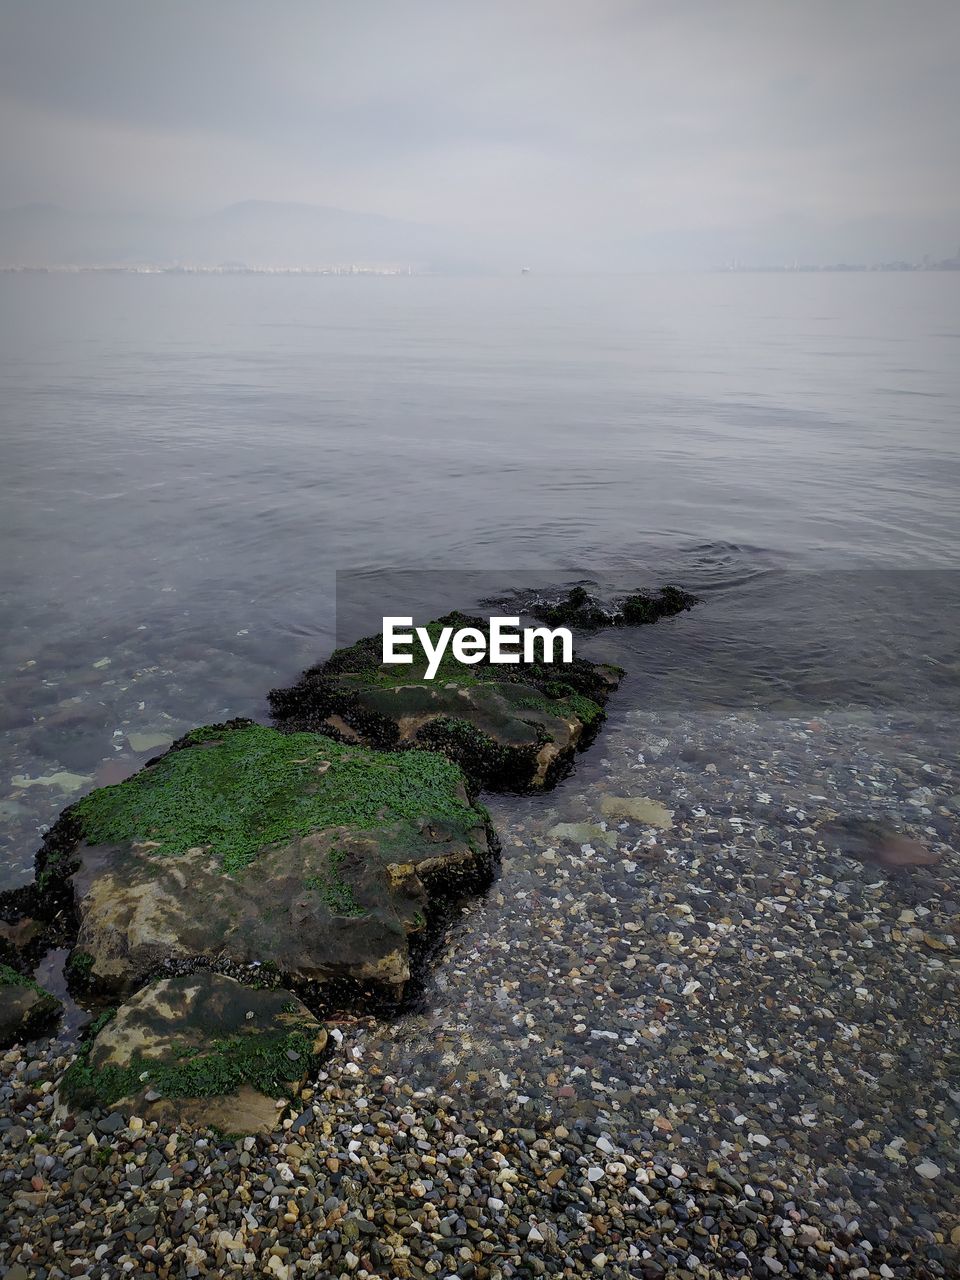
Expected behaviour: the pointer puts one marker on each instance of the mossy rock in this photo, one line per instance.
(199, 1050)
(289, 856)
(26, 1010)
(579, 608)
(510, 727)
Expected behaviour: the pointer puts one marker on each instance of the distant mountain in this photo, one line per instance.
(256, 233)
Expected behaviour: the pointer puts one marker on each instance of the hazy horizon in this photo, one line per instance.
(568, 136)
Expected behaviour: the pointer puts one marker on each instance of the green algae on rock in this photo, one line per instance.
(510, 727)
(244, 848)
(249, 787)
(198, 1049)
(26, 1009)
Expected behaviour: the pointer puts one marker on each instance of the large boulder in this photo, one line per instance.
(513, 727)
(198, 1050)
(26, 1010)
(288, 856)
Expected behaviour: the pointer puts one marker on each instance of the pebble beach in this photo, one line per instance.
(698, 1027)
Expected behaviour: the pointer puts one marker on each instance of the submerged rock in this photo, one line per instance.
(198, 1050)
(585, 610)
(641, 809)
(244, 847)
(510, 727)
(26, 1010)
(872, 840)
(583, 833)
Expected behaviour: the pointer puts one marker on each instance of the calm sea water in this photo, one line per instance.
(186, 463)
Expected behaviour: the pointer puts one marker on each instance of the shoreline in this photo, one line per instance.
(376, 1178)
(720, 991)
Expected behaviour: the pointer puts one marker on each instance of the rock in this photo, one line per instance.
(183, 1052)
(927, 1169)
(62, 780)
(20, 933)
(582, 833)
(26, 1009)
(149, 741)
(639, 809)
(114, 771)
(869, 840)
(580, 608)
(510, 727)
(245, 846)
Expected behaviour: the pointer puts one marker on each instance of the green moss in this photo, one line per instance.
(80, 963)
(40, 1013)
(334, 890)
(250, 787)
(571, 706)
(262, 1061)
(361, 665)
(365, 659)
(10, 978)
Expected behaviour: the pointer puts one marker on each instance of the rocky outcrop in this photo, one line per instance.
(198, 1050)
(248, 850)
(588, 612)
(26, 1010)
(251, 868)
(513, 728)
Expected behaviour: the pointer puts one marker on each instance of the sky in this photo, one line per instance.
(594, 131)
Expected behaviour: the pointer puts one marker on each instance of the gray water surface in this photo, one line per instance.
(186, 462)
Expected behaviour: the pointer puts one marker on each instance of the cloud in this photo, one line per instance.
(546, 119)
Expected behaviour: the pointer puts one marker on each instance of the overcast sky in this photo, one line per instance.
(599, 120)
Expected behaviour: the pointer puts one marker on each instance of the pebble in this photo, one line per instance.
(669, 1054)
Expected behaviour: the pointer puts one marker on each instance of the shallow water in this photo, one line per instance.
(187, 462)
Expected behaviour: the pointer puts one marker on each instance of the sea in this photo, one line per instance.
(190, 464)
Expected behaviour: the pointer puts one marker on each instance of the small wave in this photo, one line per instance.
(723, 566)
